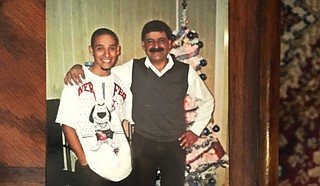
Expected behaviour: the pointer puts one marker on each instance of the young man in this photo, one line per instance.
(91, 114)
(159, 84)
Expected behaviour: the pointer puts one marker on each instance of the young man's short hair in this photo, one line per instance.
(103, 31)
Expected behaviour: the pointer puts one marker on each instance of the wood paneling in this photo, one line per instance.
(22, 98)
(254, 59)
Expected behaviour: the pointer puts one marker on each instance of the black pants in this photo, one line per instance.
(84, 176)
(148, 156)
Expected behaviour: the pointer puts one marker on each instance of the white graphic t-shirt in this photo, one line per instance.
(95, 109)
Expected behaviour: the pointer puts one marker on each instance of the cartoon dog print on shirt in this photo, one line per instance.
(100, 116)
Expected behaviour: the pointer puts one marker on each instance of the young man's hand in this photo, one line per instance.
(74, 75)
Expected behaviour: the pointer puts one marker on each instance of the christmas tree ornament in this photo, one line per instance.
(212, 181)
(187, 167)
(200, 44)
(203, 76)
(203, 62)
(216, 128)
(206, 131)
(191, 35)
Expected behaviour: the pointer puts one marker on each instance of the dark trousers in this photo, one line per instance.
(84, 176)
(148, 156)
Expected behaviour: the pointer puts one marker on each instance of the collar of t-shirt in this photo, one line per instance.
(169, 65)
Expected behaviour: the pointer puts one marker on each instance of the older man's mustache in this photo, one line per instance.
(156, 49)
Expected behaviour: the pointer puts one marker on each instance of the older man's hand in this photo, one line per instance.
(187, 139)
(74, 75)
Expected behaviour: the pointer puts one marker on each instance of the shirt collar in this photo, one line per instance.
(148, 64)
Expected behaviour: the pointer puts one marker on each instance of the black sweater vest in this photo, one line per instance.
(158, 102)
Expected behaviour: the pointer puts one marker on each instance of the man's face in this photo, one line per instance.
(105, 52)
(157, 46)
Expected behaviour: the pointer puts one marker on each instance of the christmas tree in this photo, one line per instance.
(207, 154)
(186, 45)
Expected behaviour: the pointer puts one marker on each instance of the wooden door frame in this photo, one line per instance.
(254, 63)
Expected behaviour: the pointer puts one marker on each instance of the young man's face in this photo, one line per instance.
(105, 52)
(157, 46)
